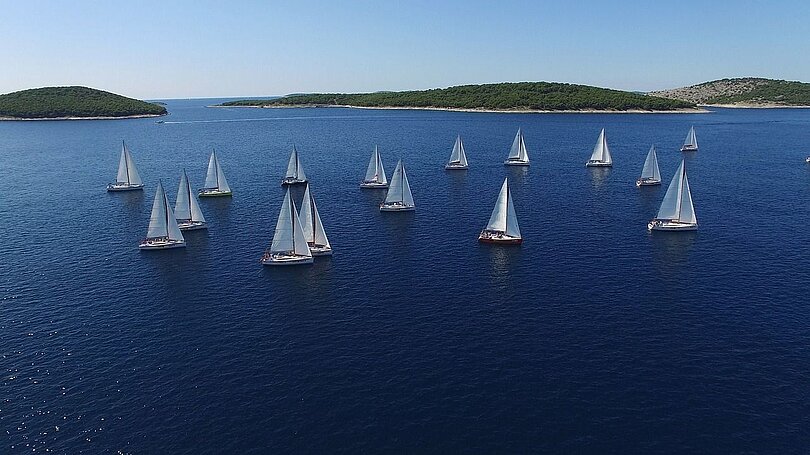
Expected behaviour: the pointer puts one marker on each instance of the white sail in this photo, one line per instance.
(677, 204)
(375, 171)
(134, 177)
(650, 169)
(400, 189)
(182, 206)
(127, 172)
(691, 139)
(289, 236)
(186, 207)
(222, 182)
(601, 151)
(162, 222)
(294, 168)
(457, 156)
(311, 221)
(687, 214)
(123, 172)
(214, 178)
(518, 150)
(504, 218)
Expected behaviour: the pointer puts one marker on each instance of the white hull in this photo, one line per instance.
(320, 250)
(292, 181)
(670, 225)
(456, 166)
(515, 163)
(161, 244)
(191, 225)
(598, 164)
(373, 185)
(205, 192)
(123, 187)
(689, 148)
(807, 160)
(284, 259)
(396, 207)
(647, 182)
(498, 237)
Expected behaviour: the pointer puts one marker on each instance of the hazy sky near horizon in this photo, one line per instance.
(178, 48)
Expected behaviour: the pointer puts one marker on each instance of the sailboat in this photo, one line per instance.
(127, 178)
(650, 175)
(690, 143)
(399, 197)
(312, 227)
(601, 153)
(289, 246)
(517, 154)
(215, 183)
(503, 225)
(677, 213)
(375, 174)
(186, 208)
(295, 172)
(458, 159)
(163, 231)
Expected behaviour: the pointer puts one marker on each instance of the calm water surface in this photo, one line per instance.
(593, 336)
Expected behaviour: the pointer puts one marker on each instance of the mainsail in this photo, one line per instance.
(289, 236)
(162, 222)
(677, 204)
(400, 189)
(127, 173)
(311, 221)
(518, 150)
(650, 170)
(601, 152)
(458, 156)
(503, 218)
(214, 178)
(375, 171)
(186, 207)
(294, 168)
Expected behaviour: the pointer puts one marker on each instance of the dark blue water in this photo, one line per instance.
(593, 336)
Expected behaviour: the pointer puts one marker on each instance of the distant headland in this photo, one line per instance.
(503, 97)
(743, 92)
(73, 103)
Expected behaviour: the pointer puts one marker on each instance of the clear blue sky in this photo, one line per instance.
(176, 49)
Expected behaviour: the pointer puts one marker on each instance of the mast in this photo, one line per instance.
(126, 159)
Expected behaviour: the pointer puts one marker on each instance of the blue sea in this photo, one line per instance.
(594, 336)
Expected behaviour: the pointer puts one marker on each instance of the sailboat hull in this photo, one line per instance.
(498, 238)
(598, 164)
(647, 182)
(456, 167)
(284, 259)
(114, 187)
(689, 148)
(320, 250)
(670, 225)
(292, 181)
(396, 207)
(161, 244)
(515, 163)
(191, 225)
(373, 185)
(213, 193)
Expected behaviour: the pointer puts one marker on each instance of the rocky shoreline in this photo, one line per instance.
(23, 119)
(496, 111)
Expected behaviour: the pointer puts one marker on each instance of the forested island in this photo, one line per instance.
(743, 92)
(73, 103)
(518, 96)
